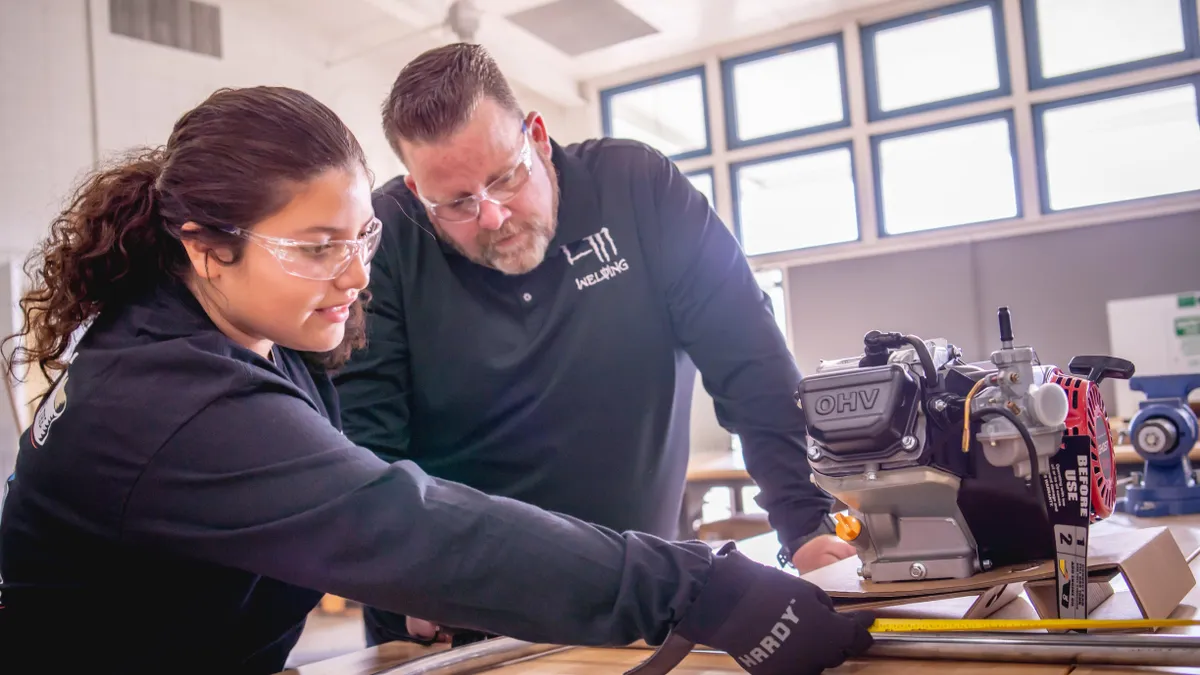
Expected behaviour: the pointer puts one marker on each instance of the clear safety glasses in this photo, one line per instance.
(320, 261)
(500, 191)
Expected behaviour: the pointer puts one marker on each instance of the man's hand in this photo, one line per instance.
(821, 551)
(420, 628)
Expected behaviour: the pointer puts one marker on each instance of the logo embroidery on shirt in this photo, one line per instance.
(51, 409)
(55, 400)
(605, 249)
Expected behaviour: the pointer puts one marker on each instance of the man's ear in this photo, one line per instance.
(537, 131)
(412, 184)
(199, 252)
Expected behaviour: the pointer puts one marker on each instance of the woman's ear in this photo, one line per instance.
(198, 253)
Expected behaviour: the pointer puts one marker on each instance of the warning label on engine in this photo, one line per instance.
(1068, 503)
(1072, 571)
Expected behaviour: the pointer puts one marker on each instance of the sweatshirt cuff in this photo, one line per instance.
(791, 545)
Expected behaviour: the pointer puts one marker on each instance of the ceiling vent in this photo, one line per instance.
(577, 27)
(182, 24)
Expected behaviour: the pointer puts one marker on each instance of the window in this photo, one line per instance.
(947, 175)
(933, 59)
(1118, 146)
(911, 109)
(784, 92)
(703, 181)
(1073, 39)
(796, 201)
(668, 113)
(771, 281)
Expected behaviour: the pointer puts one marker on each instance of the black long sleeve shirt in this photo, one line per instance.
(570, 387)
(181, 503)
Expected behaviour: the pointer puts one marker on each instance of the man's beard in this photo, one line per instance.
(521, 260)
(531, 253)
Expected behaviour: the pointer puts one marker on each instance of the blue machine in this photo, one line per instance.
(1163, 431)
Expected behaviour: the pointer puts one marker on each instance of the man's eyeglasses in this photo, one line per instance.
(500, 191)
(318, 261)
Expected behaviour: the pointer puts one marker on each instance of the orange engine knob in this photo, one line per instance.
(848, 527)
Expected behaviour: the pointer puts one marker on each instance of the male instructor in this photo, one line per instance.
(536, 313)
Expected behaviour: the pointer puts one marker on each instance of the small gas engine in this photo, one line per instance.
(944, 464)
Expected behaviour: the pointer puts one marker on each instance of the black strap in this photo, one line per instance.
(664, 659)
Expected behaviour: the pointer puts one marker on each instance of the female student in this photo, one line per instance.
(184, 496)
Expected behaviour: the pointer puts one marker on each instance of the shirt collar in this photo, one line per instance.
(578, 205)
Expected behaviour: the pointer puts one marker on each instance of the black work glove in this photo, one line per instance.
(771, 622)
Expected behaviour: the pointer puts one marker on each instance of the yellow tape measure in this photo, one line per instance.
(882, 625)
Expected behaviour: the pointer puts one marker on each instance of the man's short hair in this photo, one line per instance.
(436, 93)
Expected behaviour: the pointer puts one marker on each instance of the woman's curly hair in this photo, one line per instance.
(232, 161)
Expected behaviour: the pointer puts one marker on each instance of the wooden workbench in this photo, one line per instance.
(616, 661)
(593, 661)
(588, 661)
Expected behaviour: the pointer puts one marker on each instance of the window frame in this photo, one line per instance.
(729, 90)
(1033, 50)
(786, 328)
(877, 174)
(736, 197)
(1019, 102)
(871, 74)
(607, 95)
(1039, 139)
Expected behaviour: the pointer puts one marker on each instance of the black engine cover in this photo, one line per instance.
(860, 414)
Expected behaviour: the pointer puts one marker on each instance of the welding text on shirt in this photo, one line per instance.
(601, 244)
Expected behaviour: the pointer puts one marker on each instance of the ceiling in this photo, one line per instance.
(550, 46)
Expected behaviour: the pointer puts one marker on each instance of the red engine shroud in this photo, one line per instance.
(1086, 416)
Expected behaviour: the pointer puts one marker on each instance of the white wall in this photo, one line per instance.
(142, 88)
(45, 133)
(356, 92)
(50, 137)
(566, 125)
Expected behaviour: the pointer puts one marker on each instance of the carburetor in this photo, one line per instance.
(939, 460)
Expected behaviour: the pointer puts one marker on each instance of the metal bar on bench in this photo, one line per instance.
(1073, 649)
(474, 657)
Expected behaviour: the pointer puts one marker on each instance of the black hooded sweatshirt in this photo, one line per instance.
(181, 503)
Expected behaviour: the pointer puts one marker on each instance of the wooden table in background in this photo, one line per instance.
(705, 472)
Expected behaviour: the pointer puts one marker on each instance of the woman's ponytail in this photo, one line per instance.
(108, 244)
